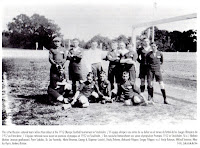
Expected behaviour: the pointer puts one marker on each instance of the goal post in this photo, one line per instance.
(161, 21)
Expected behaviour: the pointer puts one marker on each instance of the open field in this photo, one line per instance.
(27, 75)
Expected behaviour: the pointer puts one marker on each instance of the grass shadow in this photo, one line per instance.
(39, 98)
(177, 99)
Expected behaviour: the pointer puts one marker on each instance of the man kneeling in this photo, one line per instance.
(59, 88)
(86, 92)
(129, 92)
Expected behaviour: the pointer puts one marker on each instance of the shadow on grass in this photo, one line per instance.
(42, 98)
(177, 99)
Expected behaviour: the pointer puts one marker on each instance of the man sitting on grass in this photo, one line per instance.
(104, 89)
(129, 92)
(59, 88)
(86, 93)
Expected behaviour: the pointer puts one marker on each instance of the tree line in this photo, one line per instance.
(24, 32)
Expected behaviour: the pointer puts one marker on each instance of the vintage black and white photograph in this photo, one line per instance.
(99, 63)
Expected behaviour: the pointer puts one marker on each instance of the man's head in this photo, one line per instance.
(57, 41)
(122, 45)
(146, 42)
(75, 42)
(114, 45)
(125, 76)
(154, 47)
(90, 77)
(94, 45)
(130, 47)
(102, 76)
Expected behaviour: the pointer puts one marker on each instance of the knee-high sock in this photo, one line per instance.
(150, 91)
(142, 88)
(163, 93)
(74, 88)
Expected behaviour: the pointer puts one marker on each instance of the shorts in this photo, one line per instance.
(143, 71)
(112, 74)
(156, 74)
(119, 71)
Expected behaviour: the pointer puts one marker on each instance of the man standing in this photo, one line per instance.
(142, 52)
(154, 59)
(58, 84)
(129, 61)
(122, 51)
(75, 69)
(113, 57)
(93, 61)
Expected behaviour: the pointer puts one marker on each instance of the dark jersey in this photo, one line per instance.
(130, 55)
(77, 55)
(75, 72)
(57, 56)
(87, 88)
(113, 57)
(54, 79)
(128, 89)
(154, 60)
(142, 56)
(104, 88)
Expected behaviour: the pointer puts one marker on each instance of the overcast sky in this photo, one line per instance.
(84, 19)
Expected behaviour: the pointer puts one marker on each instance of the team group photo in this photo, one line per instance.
(99, 64)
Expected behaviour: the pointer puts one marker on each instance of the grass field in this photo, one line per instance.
(27, 75)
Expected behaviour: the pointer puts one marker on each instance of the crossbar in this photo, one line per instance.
(168, 20)
(162, 21)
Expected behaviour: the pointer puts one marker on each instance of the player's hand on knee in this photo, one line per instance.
(60, 98)
(143, 97)
(107, 98)
(68, 86)
(128, 102)
(94, 94)
(73, 101)
(85, 105)
(137, 99)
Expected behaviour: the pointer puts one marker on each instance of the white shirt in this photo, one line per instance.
(123, 51)
(91, 56)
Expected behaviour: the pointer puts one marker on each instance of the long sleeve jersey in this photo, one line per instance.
(154, 60)
(128, 89)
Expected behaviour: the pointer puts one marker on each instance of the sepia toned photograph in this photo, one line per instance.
(99, 63)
